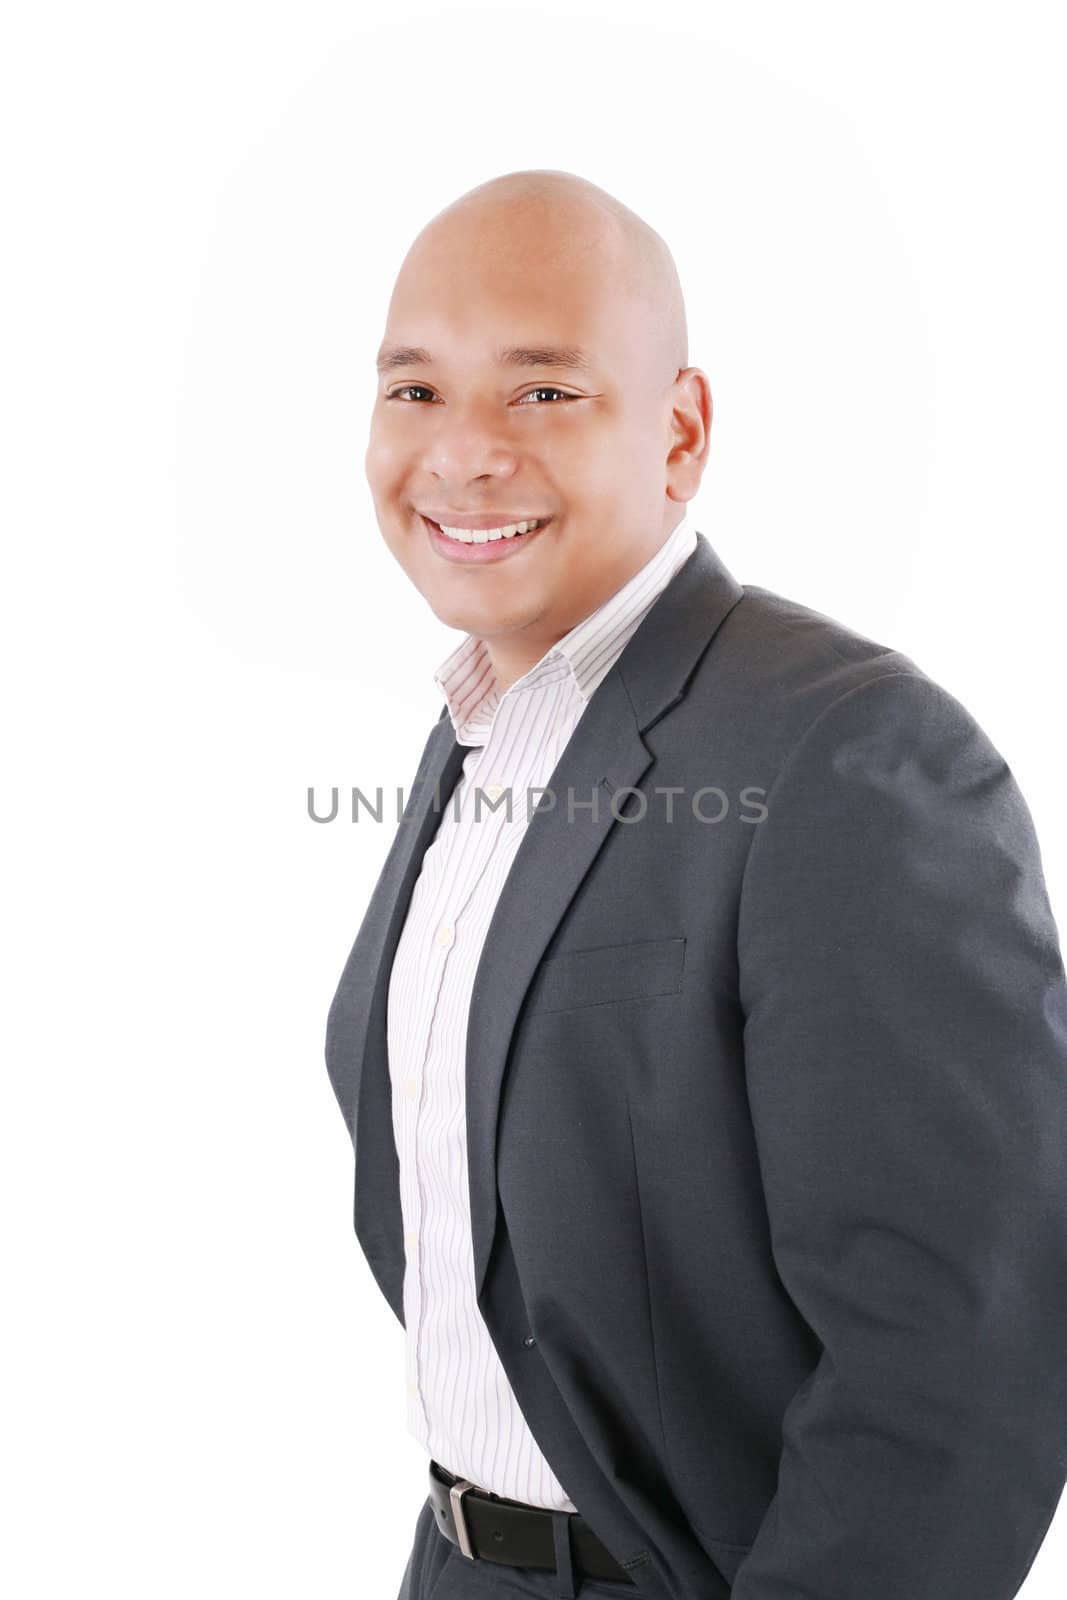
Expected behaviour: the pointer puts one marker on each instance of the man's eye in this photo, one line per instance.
(547, 389)
(394, 394)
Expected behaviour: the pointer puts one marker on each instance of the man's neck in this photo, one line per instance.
(511, 659)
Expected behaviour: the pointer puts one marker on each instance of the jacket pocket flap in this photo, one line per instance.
(608, 972)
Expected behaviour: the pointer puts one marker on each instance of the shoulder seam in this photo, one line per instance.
(780, 622)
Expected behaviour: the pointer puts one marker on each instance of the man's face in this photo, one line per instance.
(462, 432)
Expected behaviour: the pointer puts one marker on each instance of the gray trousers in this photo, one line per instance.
(438, 1570)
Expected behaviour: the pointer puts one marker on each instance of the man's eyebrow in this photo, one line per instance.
(402, 355)
(517, 355)
(512, 355)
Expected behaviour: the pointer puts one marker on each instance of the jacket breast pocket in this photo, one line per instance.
(607, 973)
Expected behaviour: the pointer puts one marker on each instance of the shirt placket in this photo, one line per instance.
(439, 921)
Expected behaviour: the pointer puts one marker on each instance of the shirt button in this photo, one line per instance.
(495, 790)
(412, 1390)
(444, 933)
(409, 1240)
(411, 1087)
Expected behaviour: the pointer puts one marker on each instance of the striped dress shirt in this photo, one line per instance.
(460, 1404)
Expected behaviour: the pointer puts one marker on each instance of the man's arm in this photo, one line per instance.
(906, 1059)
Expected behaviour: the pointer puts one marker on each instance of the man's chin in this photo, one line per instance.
(481, 621)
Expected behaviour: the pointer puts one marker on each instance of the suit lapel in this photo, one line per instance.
(607, 752)
(553, 857)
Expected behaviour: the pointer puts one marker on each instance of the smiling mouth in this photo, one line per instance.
(511, 530)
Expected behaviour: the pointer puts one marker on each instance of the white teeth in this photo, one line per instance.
(483, 535)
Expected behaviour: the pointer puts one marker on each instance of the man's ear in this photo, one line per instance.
(691, 414)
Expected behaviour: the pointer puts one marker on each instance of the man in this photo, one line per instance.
(704, 1045)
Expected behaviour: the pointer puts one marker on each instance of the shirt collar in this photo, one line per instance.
(586, 654)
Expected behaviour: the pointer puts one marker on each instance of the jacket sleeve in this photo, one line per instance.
(905, 1038)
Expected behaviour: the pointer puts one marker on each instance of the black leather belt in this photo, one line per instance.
(487, 1527)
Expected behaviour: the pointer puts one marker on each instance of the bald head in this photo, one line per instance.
(572, 222)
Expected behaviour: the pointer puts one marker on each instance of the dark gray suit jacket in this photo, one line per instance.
(766, 1116)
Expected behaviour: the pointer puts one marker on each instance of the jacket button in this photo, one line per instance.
(529, 1341)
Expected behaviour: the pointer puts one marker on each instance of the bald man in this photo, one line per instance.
(704, 1044)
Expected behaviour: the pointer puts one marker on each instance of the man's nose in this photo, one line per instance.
(468, 439)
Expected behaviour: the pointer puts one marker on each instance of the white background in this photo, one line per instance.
(206, 207)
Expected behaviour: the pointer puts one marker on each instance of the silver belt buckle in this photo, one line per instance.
(455, 1495)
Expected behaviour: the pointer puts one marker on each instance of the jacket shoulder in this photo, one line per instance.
(778, 666)
(804, 636)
